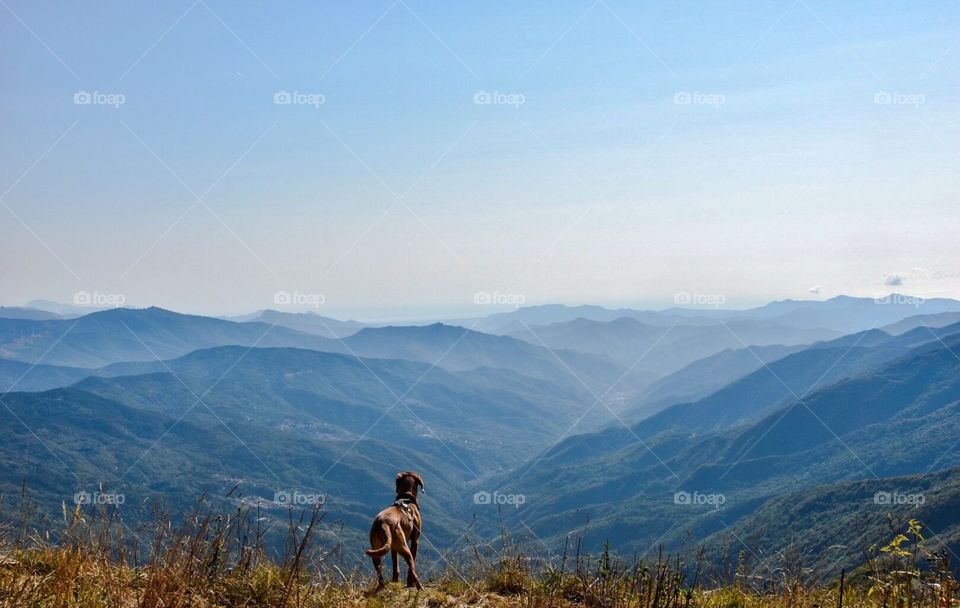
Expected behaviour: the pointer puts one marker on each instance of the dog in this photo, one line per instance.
(394, 526)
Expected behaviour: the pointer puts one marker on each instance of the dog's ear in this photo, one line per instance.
(419, 482)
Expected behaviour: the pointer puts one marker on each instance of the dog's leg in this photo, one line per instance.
(396, 567)
(414, 544)
(412, 579)
(400, 545)
(379, 567)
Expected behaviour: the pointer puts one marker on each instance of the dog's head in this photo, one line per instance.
(408, 484)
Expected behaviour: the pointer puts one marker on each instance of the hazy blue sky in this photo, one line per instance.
(629, 152)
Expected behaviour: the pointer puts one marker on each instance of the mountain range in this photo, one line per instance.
(637, 427)
(891, 414)
(844, 314)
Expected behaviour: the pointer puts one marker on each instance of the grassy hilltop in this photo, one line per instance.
(211, 560)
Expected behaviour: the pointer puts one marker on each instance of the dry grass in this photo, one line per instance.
(211, 560)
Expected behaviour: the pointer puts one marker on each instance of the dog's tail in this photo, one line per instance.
(386, 545)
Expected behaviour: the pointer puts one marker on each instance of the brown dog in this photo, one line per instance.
(394, 526)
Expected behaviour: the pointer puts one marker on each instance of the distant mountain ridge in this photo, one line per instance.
(307, 322)
(935, 320)
(785, 379)
(458, 348)
(20, 376)
(663, 350)
(704, 376)
(849, 314)
(124, 335)
(845, 314)
(34, 314)
(65, 311)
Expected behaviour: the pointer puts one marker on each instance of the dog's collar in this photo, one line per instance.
(406, 506)
(407, 498)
